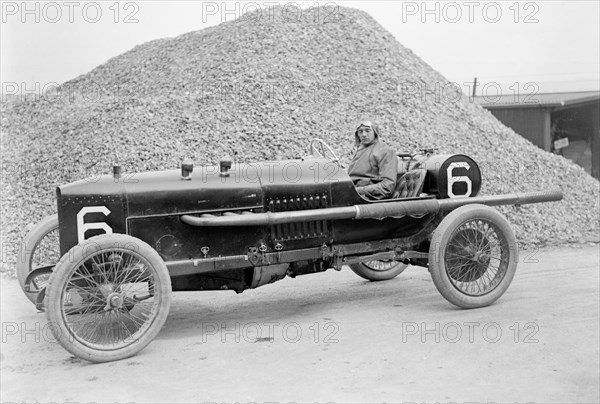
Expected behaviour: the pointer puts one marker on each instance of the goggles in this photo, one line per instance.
(366, 124)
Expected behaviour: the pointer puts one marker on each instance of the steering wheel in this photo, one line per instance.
(319, 148)
(417, 156)
(410, 156)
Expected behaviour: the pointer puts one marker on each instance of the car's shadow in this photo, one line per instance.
(192, 313)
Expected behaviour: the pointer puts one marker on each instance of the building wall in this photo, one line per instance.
(531, 123)
(534, 124)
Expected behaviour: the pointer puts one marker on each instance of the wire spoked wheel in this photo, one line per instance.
(40, 249)
(378, 270)
(108, 298)
(476, 257)
(473, 256)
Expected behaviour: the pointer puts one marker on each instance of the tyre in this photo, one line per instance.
(378, 270)
(40, 248)
(473, 256)
(108, 297)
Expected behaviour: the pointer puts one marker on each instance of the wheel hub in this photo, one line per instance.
(474, 259)
(114, 301)
(481, 257)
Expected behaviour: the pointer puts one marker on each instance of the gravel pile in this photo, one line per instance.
(259, 88)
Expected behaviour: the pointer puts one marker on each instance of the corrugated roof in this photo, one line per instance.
(529, 100)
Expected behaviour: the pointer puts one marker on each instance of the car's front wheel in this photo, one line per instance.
(473, 256)
(378, 270)
(108, 297)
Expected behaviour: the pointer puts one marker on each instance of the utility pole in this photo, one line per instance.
(474, 87)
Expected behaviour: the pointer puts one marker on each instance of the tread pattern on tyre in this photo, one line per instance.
(371, 275)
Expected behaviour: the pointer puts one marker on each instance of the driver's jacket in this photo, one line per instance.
(374, 169)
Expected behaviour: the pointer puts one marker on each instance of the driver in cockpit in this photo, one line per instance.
(374, 167)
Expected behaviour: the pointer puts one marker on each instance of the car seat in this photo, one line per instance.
(410, 184)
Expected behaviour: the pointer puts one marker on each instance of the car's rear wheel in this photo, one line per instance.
(378, 270)
(473, 256)
(40, 248)
(108, 297)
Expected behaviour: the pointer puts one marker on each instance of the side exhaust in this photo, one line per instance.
(377, 210)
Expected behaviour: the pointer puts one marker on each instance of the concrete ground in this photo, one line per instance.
(333, 337)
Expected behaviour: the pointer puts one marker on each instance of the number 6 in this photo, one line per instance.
(459, 178)
(82, 227)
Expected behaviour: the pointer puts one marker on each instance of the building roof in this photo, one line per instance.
(530, 100)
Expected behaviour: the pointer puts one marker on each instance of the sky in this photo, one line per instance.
(524, 46)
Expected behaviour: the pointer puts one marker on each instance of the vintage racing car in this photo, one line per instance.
(125, 242)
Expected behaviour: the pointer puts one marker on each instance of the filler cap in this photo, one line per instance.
(187, 166)
(225, 165)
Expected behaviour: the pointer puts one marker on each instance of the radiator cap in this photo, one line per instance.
(225, 165)
(187, 166)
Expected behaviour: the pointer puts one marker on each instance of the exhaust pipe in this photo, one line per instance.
(377, 210)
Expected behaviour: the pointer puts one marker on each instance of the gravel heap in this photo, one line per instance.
(260, 88)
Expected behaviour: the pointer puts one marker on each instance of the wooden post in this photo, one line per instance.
(595, 140)
(547, 129)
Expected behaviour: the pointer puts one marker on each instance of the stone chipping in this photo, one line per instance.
(260, 88)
